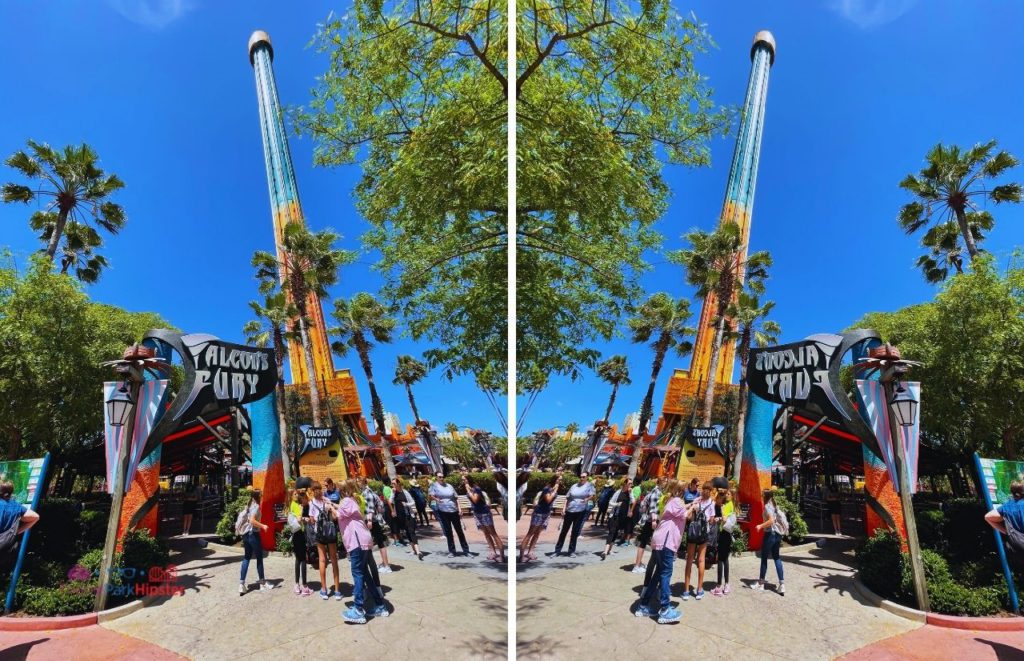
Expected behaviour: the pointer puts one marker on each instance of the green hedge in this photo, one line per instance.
(797, 525)
(226, 525)
(71, 598)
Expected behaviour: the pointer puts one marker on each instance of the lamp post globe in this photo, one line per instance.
(904, 406)
(119, 407)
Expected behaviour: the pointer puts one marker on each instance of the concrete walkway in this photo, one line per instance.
(442, 609)
(586, 611)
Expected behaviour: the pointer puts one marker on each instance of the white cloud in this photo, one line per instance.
(152, 14)
(868, 14)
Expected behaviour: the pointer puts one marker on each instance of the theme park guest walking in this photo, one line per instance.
(539, 519)
(579, 502)
(298, 518)
(444, 496)
(484, 519)
(358, 540)
(835, 509)
(251, 541)
(665, 544)
(331, 491)
(621, 504)
(324, 517)
(725, 512)
(416, 491)
(403, 513)
(771, 543)
(604, 500)
(701, 515)
(189, 505)
(375, 522)
(648, 522)
(13, 515)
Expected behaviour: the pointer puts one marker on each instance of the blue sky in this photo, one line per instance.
(163, 90)
(860, 90)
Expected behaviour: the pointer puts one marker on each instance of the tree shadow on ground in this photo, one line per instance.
(1003, 651)
(541, 647)
(482, 647)
(20, 651)
(493, 606)
(530, 606)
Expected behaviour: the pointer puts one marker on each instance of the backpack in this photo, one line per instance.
(9, 546)
(1014, 541)
(242, 525)
(781, 522)
(326, 528)
(697, 529)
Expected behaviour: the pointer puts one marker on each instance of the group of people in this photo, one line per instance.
(320, 515)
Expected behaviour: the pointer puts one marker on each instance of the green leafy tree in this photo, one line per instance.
(945, 251)
(269, 328)
(53, 340)
(614, 371)
(409, 371)
(607, 95)
(72, 186)
(716, 264)
(417, 93)
(968, 340)
(564, 448)
(362, 320)
(78, 252)
(662, 321)
(952, 184)
(306, 268)
(753, 329)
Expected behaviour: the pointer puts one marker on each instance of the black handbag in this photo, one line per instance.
(697, 529)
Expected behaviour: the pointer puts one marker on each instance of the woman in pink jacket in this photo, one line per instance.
(665, 544)
(357, 540)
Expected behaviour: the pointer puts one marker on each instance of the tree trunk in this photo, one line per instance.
(314, 389)
(965, 230)
(1009, 445)
(14, 444)
(646, 409)
(377, 408)
(611, 402)
(716, 349)
(58, 231)
(412, 403)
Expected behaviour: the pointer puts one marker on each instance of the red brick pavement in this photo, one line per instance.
(92, 643)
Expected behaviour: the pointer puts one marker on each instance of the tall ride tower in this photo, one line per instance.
(284, 203)
(739, 203)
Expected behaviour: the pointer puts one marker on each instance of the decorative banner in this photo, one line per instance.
(151, 404)
(996, 476)
(317, 438)
(705, 438)
(872, 396)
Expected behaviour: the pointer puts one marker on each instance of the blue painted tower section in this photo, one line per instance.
(267, 470)
(756, 467)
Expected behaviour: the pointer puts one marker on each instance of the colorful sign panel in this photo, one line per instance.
(706, 438)
(996, 476)
(317, 438)
(25, 474)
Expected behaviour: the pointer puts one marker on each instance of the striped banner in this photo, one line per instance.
(151, 404)
(872, 398)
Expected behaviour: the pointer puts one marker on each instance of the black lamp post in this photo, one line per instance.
(903, 405)
(120, 406)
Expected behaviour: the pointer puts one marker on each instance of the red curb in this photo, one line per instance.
(976, 623)
(47, 623)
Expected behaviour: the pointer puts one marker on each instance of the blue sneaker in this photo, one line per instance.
(324, 595)
(642, 611)
(380, 611)
(354, 616)
(699, 595)
(669, 615)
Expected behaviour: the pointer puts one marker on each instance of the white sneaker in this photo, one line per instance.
(241, 589)
(266, 587)
(384, 569)
(639, 569)
(782, 589)
(757, 587)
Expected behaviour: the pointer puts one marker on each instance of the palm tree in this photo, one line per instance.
(307, 267)
(716, 266)
(945, 250)
(407, 372)
(73, 187)
(615, 371)
(452, 429)
(361, 321)
(78, 252)
(663, 318)
(270, 329)
(951, 185)
(753, 329)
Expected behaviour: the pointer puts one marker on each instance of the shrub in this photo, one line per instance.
(966, 532)
(952, 598)
(283, 542)
(54, 537)
(70, 598)
(94, 529)
(43, 573)
(647, 485)
(377, 486)
(797, 525)
(140, 550)
(739, 541)
(880, 561)
(930, 529)
(226, 525)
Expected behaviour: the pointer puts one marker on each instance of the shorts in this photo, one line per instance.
(646, 532)
(380, 540)
(834, 507)
(540, 519)
(483, 519)
(189, 507)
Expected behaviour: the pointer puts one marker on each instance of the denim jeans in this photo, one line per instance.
(666, 558)
(651, 579)
(573, 521)
(770, 547)
(357, 562)
(253, 549)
